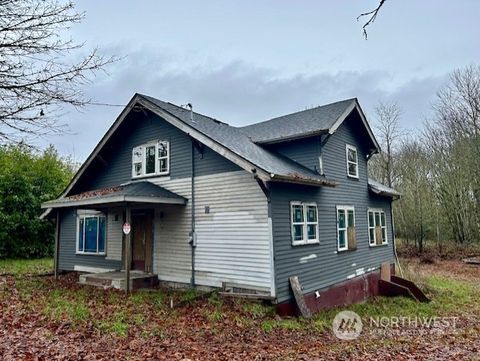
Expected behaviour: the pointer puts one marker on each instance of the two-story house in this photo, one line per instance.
(244, 209)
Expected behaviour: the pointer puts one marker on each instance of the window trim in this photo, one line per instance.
(304, 223)
(345, 209)
(348, 162)
(91, 214)
(376, 210)
(157, 172)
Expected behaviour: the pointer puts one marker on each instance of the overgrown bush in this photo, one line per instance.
(28, 178)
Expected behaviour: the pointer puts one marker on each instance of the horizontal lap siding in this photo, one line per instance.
(114, 234)
(114, 164)
(320, 266)
(172, 226)
(67, 257)
(233, 243)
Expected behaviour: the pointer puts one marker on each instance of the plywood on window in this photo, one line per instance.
(352, 238)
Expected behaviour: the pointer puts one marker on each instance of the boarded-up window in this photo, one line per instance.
(377, 227)
(346, 234)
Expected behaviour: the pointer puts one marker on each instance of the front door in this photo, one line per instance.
(142, 242)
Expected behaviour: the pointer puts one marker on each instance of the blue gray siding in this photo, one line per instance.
(113, 166)
(319, 266)
(67, 257)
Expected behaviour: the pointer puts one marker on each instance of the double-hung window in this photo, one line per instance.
(151, 159)
(91, 233)
(377, 227)
(346, 237)
(352, 161)
(304, 223)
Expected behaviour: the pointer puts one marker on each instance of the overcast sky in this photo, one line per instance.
(250, 60)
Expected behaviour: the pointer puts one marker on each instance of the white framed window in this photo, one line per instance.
(352, 161)
(346, 237)
(304, 223)
(91, 233)
(152, 158)
(377, 227)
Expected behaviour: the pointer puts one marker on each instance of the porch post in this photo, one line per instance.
(57, 246)
(128, 248)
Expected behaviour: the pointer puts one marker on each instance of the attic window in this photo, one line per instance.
(151, 159)
(352, 161)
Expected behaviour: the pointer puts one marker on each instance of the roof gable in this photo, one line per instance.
(226, 140)
(319, 120)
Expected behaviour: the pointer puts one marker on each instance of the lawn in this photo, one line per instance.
(46, 319)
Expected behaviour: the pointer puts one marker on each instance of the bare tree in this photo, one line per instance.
(453, 140)
(37, 73)
(389, 133)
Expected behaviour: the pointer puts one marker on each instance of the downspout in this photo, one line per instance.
(193, 236)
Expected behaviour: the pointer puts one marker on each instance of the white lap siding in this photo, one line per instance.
(233, 243)
(233, 239)
(114, 234)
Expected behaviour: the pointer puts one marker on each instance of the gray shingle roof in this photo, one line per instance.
(381, 189)
(306, 122)
(142, 191)
(239, 143)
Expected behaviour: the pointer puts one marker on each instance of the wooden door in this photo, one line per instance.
(142, 242)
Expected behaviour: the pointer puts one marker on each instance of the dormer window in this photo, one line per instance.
(151, 159)
(352, 161)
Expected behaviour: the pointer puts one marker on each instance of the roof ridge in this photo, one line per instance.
(187, 110)
(298, 112)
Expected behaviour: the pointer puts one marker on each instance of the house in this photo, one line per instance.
(238, 208)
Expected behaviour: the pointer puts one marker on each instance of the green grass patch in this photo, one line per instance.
(61, 307)
(257, 310)
(23, 267)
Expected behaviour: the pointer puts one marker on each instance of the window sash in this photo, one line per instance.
(348, 214)
(379, 220)
(100, 234)
(151, 159)
(352, 150)
(306, 227)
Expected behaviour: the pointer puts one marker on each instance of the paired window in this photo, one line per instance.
(304, 221)
(377, 227)
(151, 159)
(346, 236)
(91, 233)
(352, 161)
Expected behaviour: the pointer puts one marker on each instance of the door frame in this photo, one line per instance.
(149, 218)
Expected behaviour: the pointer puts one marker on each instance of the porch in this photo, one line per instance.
(113, 233)
(118, 280)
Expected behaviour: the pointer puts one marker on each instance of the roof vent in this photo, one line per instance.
(190, 106)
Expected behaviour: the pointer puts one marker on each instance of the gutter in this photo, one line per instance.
(304, 181)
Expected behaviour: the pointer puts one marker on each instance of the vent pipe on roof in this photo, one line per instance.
(190, 106)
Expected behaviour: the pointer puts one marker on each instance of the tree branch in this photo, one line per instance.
(373, 15)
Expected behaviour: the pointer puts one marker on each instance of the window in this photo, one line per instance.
(377, 227)
(151, 159)
(346, 237)
(304, 219)
(91, 233)
(352, 161)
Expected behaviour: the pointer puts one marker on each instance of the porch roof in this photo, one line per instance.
(134, 192)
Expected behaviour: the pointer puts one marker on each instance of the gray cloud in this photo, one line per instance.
(236, 92)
